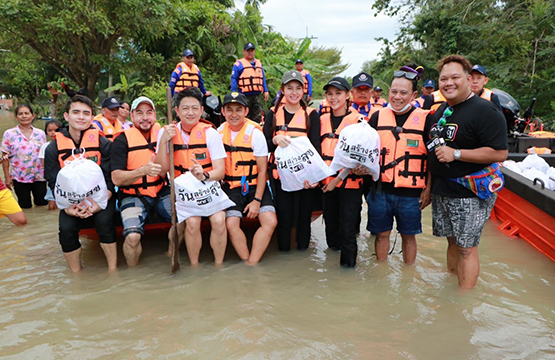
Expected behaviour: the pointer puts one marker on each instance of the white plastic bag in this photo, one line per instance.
(534, 161)
(78, 180)
(512, 165)
(300, 161)
(533, 174)
(359, 144)
(551, 175)
(198, 198)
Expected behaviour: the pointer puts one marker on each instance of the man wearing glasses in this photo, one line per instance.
(474, 133)
(186, 74)
(402, 190)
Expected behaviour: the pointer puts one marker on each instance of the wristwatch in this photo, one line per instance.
(457, 154)
(206, 175)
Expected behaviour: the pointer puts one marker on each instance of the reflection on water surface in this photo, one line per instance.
(300, 305)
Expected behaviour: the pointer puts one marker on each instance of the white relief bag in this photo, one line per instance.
(359, 144)
(198, 198)
(80, 179)
(299, 161)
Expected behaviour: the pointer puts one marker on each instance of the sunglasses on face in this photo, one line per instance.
(405, 74)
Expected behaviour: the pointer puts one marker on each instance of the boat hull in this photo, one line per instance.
(527, 211)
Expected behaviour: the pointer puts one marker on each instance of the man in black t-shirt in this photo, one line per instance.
(474, 132)
(142, 186)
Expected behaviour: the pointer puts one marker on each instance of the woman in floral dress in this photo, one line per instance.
(23, 144)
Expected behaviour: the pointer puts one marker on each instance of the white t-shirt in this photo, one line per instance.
(43, 149)
(259, 144)
(213, 142)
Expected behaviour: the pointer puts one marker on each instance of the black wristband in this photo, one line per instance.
(257, 199)
(206, 176)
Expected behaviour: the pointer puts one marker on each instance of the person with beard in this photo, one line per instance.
(142, 186)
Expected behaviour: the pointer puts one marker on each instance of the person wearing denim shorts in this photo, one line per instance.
(402, 191)
(142, 188)
(475, 134)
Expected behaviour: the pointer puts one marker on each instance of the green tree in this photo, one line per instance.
(126, 89)
(79, 39)
(514, 40)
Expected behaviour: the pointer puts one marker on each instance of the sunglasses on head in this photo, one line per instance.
(405, 74)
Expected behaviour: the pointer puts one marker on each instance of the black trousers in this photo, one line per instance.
(342, 209)
(103, 221)
(254, 103)
(293, 208)
(24, 190)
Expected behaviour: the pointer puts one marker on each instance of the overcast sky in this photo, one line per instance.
(347, 24)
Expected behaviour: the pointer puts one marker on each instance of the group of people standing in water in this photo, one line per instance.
(414, 170)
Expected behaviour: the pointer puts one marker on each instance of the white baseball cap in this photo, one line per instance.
(142, 99)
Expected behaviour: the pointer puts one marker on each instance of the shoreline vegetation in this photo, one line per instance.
(106, 50)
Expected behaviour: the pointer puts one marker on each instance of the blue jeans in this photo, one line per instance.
(383, 207)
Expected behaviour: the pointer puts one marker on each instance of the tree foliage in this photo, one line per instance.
(79, 38)
(514, 40)
(85, 43)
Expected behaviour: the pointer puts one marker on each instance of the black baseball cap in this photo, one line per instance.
(187, 53)
(363, 79)
(299, 61)
(235, 97)
(377, 88)
(480, 69)
(249, 46)
(111, 103)
(338, 82)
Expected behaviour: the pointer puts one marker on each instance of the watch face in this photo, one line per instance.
(457, 154)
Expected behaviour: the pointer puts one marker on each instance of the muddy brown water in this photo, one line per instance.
(298, 305)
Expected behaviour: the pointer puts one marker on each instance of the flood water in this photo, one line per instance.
(298, 305)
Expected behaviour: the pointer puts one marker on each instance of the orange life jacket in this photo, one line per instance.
(196, 148)
(296, 127)
(139, 153)
(378, 103)
(325, 107)
(252, 78)
(240, 160)
(189, 76)
(538, 150)
(305, 83)
(486, 94)
(361, 109)
(420, 100)
(403, 155)
(329, 138)
(89, 147)
(106, 127)
(438, 100)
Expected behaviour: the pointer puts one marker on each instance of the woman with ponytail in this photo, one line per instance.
(291, 117)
